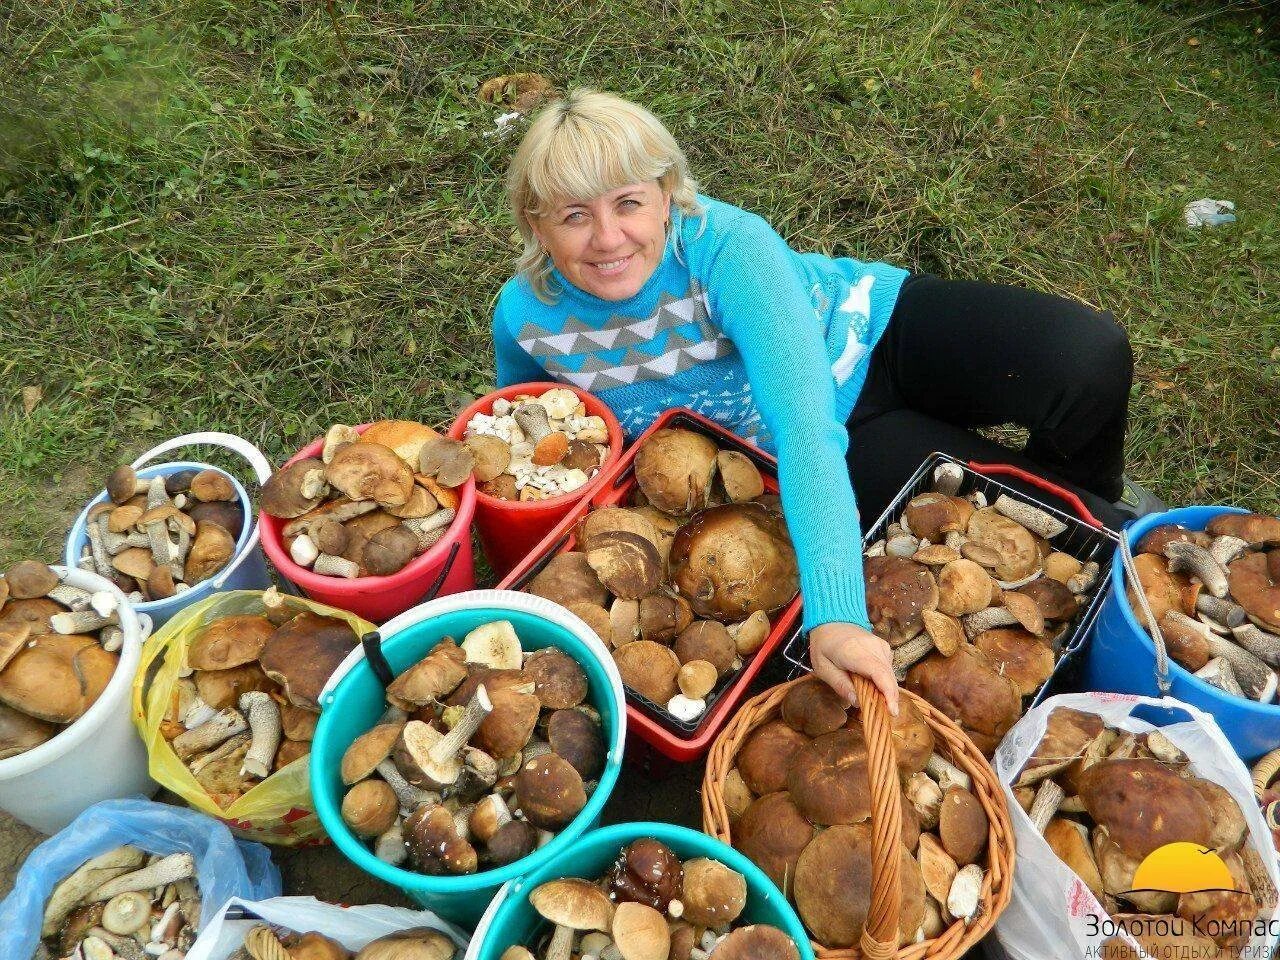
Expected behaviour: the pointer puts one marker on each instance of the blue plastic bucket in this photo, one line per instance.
(247, 569)
(1122, 657)
(354, 700)
(512, 920)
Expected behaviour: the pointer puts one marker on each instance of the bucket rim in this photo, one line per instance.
(118, 688)
(78, 537)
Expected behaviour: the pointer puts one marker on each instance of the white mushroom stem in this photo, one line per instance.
(965, 893)
(1015, 584)
(1224, 611)
(328, 565)
(1196, 560)
(1048, 798)
(448, 746)
(167, 927)
(948, 478)
(264, 723)
(80, 621)
(430, 529)
(225, 725)
(87, 877)
(410, 797)
(533, 421)
(1265, 646)
(946, 773)
(685, 709)
(1226, 549)
(157, 495)
(390, 846)
(909, 654)
(1084, 579)
(178, 866)
(198, 713)
(955, 540)
(926, 797)
(73, 598)
(988, 619)
(158, 540)
(1218, 673)
(561, 946)
(111, 638)
(303, 551)
(1033, 518)
(126, 948)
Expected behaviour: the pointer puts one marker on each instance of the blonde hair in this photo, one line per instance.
(581, 147)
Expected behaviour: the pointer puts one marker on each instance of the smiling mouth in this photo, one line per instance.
(613, 266)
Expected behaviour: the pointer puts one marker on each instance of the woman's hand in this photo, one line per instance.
(839, 649)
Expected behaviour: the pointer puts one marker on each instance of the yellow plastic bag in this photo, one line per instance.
(278, 810)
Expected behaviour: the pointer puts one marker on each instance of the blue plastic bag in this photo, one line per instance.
(225, 867)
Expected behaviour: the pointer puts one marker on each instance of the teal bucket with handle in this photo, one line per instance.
(511, 919)
(354, 700)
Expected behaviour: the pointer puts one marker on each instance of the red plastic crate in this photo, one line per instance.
(678, 741)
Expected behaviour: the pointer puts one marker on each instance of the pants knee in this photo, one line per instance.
(1103, 354)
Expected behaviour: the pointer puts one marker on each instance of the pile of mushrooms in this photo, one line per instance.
(371, 501)
(483, 754)
(681, 584)
(262, 942)
(58, 650)
(1105, 798)
(247, 701)
(1215, 594)
(975, 601)
(535, 447)
(651, 905)
(159, 537)
(124, 904)
(799, 806)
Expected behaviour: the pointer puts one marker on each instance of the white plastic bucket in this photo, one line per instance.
(247, 569)
(98, 757)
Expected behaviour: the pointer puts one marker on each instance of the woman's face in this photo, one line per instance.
(611, 244)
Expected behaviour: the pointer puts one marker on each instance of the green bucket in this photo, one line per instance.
(511, 920)
(356, 701)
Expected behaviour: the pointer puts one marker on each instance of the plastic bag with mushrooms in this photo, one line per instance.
(273, 941)
(485, 751)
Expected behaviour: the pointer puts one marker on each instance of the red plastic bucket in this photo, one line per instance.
(510, 529)
(448, 567)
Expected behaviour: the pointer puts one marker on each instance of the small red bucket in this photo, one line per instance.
(509, 529)
(448, 567)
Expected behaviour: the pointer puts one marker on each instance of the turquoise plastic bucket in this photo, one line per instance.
(511, 920)
(355, 701)
(1122, 657)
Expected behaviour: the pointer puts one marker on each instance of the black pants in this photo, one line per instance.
(960, 354)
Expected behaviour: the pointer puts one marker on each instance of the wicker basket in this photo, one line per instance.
(880, 935)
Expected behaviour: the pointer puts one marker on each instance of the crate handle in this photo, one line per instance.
(1009, 470)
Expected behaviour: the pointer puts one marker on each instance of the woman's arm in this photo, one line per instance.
(513, 364)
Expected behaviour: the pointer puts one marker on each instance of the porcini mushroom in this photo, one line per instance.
(370, 471)
(648, 668)
(1143, 805)
(302, 654)
(827, 779)
(772, 833)
(626, 563)
(740, 476)
(674, 468)
(567, 579)
(558, 681)
(495, 645)
(370, 808)
(549, 792)
(647, 871)
(767, 754)
(229, 641)
(897, 593)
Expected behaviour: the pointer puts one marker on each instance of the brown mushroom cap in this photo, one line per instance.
(647, 871)
(1018, 655)
(210, 551)
(913, 738)
(289, 751)
(740, 476)
(230, 641)
(597, 618)
(416, 943)
(360, 530)
(1187, 644)
(766, 756)
(1068, 732)
(962, 825)
(389, 551)
(1253, 585)
(707, 640)
(898, 591)
(490, 455)
(370, 471)
(813, 708)
(222, 688)
(1255, 529)
(827, 779)
(963, 587)
(967, 688)
(57, 678)
(1070, 841)
(567, 579)
(713, 894)
(210, 486)
(559, 682)
(368, 750)
(20, 733)
(434, 845)
(577, 738)
(612, 519)
(282, 493)
(514, 840)
(405, 438)
(303, 653)
(1162, 589)
(1157, 538)
(771, 833)
(1229, 827)
(648, 668)
(1143, 806)
(759, 941)
(370, 808)
(674, 469)
(732, 560)
(1017, 546)
(34, 613)
(29, 579)
(122, 484)
(627, 564)
(931, 516)
(432, 678)
(661, 617)
(573, 903)
(1055, 601)
(448, 460)
(506, 730)
(549, 792)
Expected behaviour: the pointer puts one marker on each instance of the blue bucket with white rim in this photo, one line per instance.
(354, 699)
(247, 568)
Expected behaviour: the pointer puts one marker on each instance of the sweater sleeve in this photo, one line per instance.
(514, 365)
(760, 301)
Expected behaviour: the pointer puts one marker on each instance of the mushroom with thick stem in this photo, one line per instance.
(415, 943)
(432, 678)
(1221, 611)
(1256, 529)
(1144, 805)
(646, 871)
(648, 668)
(434, 844)
(674, 468)
(370, 471)
(410, 797)
(549, 792)
(772, 833)
(29, 579)
(926, 797)
(898, 591)
(494, 645)
(571, 905)
(368, 750)
(662, 617)
(962, 826)
(264, 723)
(56, 678)
(577, 738)
(448, 461)
(1039, 522)
(1257, 679)
(1196, 561)
(389, 551)
(1255, 585)
(302, 654)
(568, 578)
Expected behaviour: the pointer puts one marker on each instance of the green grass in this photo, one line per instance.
(214, 215)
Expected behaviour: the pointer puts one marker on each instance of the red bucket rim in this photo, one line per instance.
(485, 405)
(272, 536)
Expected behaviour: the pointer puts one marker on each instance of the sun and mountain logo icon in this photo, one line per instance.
(1182, 868)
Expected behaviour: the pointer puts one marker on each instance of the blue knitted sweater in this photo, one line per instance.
(733, 324)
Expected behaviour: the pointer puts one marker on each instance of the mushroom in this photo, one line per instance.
(508, 728)
(1069, 840)
(1015, 544)
(963, 588)
(931, 516)
(1053, 599)
(1068, 733)
(490, 456)
(448, 461)
(925, 797)
(640, 932)
(370, 808)
(210, 551)
(1254, 585)
(967, 688)
(226, 514)
(389, 551)
(1228, 826)
(494, 645)
(937, 869)
(897, 593)
(1257, 530)
(513, 841)
(56, 678)
(758, 941)
(662, 617)
(370, 471)
(767, 755)
(962, 826)
(741, 478)
(1157, 538)
(945, 633)
(1142, 805)
(627, 564)
(1196, 561)
(20, 733)
(696, 679)
(576, 738)
(612, 519)
(293, 491)
(1186, 640)
(126, 913)
(827, 779)
(264, 723)
(549, 792)
(432, 678)
(222, 688)
(170, 869)
(415, 943)
(29, 579)
(1039, 522)
(302, 654)
(214, 731)
(567, 579)
(647, 871)
(421, 504)
(558, 681)
(1117, 870)
(709, 641)
(813, 708)
(624, 621)
(712, 894)
(649, 669)
(1019, 656)
(212, 485)
(229, 641)
(434, 845)
(674, 468)
(913, 740)
(772, 833)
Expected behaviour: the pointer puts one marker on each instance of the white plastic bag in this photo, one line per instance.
(353, 927)
(1052, 913)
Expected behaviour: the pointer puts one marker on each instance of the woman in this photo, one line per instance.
(636, 288)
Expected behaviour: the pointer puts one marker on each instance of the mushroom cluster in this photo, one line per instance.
(58, 650)
(124, 904)
(159, 537)
(975, 601)
(799, 804)
(263, 942)
(247, 701)
(484, 752)
(651, 906)
(1215, 594)
(680, 585)
(535, 447)
(1105, 798)
(371, 501)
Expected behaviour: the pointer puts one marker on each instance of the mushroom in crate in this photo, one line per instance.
(1215, 594)
(1106, 798)
(247, 700)
(271, 942)
(650, 905)
(372, 501)
(681, 584)
(536, 447)
(59, 647)
(160, 537)
(484, 752)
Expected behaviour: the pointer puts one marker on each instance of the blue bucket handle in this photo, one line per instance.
(1163, 681)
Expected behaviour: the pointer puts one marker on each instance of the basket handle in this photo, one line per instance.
(880, 932)
(1009, 470)
(261, 468)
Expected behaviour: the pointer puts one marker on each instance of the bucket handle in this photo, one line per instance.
(1163, 682)
(1009, 470)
